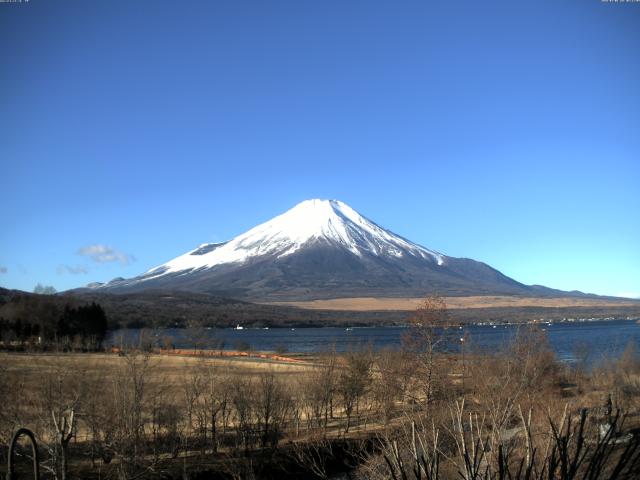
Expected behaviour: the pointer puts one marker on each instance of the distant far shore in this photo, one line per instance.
(362, 304)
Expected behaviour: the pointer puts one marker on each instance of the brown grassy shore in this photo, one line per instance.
(455, 303)
(167, 367)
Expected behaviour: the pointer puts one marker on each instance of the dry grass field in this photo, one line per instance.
(166, 416)
(454, 303)
(164, 370)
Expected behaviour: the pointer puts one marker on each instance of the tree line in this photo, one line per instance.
(45, 321)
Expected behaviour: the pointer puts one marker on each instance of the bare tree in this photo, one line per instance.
(242, 400)
(319, 387)
(314, 455)
(193, 386)
(427, 328)
(127, 406)
(65, 427)
(62, 389)
(272, 406)
(388, 382)
(353, 381)
(532, 359)
(216, 397)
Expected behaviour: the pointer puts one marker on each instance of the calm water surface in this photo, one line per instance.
(590, 340)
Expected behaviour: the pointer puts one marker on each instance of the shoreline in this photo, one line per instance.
(345, 326)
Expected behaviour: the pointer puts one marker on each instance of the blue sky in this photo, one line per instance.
(507, 132)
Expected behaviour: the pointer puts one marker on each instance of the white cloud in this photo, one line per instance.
(78, 269)
(104, 254)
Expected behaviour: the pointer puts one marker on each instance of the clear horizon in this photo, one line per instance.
(509, 133)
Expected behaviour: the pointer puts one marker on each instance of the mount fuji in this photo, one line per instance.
(321, 249)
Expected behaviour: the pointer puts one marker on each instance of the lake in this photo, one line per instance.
(596, 339)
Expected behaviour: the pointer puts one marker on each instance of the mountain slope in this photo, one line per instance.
(322, 249)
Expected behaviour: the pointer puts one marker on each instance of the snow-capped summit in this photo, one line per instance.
(329, 221)
(319, 248)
